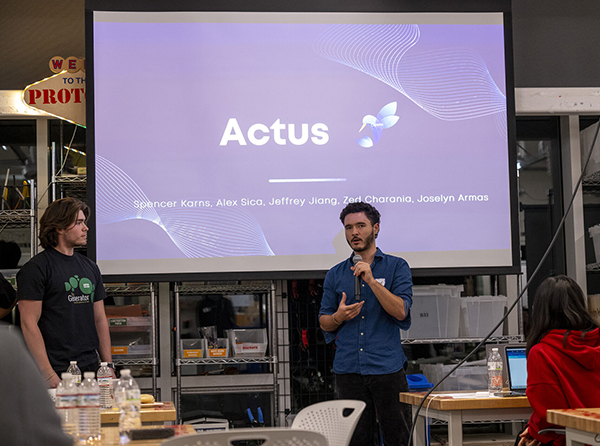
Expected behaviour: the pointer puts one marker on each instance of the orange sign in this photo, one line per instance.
(217, 352)
(192, 353)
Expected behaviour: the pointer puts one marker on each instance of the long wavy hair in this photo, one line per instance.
(559, 304)
(61, 214)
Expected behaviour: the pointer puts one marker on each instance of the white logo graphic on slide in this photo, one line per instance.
(451, 84)
(385, 119)
(260, 134)
(233, 230)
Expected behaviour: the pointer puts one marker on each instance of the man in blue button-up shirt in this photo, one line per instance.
(369, 361)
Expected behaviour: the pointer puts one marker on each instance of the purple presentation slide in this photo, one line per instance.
(230, 139)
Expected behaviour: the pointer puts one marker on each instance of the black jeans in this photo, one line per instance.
(380, 393)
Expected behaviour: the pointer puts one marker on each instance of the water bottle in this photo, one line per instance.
(104, 376)
(66, 405)
(75, 372)
(89, 408)
(127, 397)
(494, 364)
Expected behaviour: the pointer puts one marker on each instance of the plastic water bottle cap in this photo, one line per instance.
(125, 372)
(66, 375)
(73, 362)
(495, 349)
(89, 375)
(103, 364)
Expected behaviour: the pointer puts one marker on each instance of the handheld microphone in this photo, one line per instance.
(357, 258)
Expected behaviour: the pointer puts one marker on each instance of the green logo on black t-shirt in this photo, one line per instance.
(84, 284)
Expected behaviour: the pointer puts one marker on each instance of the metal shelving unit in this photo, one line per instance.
(23, 218)
(437, 422)
(592, 267)
(266, 288)
(69, 185)
(494, 339)
(66, 185)
(207, 361)
(146, 289)
(591, 183)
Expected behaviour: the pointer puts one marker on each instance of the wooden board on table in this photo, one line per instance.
(444, 401)
(587, 420)
(152, 414)
(110, 435)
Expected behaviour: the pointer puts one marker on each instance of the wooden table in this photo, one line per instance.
(582, 425)
(110, 436)
(151, 415)
(455, 411)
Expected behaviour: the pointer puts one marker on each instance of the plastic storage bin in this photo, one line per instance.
(466, 377)
(435, 312)
(594, 306)
(479, 314)
(220, 351)
(130, 341)
(418, 382)
(594, 232)
(192, 348)
(201, 425)
(130, 332)
(248, 343)
(131, 350)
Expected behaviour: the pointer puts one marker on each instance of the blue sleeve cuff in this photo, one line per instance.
(329, 336)
(405, 323)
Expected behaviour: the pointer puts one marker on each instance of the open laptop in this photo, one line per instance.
(516, 364)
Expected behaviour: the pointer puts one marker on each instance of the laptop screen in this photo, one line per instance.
(517, 367)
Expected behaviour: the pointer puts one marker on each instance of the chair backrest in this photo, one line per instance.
(328, 419)
(271, 436)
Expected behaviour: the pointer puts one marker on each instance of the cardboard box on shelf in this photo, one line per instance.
(123, 310)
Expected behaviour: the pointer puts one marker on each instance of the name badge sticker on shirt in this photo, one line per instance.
(381, 281)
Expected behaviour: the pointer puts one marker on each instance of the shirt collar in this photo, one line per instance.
(378, 253)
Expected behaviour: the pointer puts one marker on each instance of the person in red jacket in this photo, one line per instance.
(563, 357)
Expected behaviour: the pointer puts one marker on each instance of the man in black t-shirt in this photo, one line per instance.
(61, 296)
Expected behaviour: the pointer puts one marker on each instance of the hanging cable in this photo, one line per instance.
(67, 154)
(533, 275)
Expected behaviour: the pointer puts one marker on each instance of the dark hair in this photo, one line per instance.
(354, 208)
(559, 304)
(61, 214)
(10, 255)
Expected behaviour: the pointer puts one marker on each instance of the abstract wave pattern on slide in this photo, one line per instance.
(197, 232)
(451, 84)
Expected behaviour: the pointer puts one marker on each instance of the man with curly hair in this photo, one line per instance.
(369, 361)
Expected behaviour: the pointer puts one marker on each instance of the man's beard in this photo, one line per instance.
(368, 242)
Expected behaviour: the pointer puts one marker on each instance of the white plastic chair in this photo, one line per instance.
(272, 436)
(328, 419)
